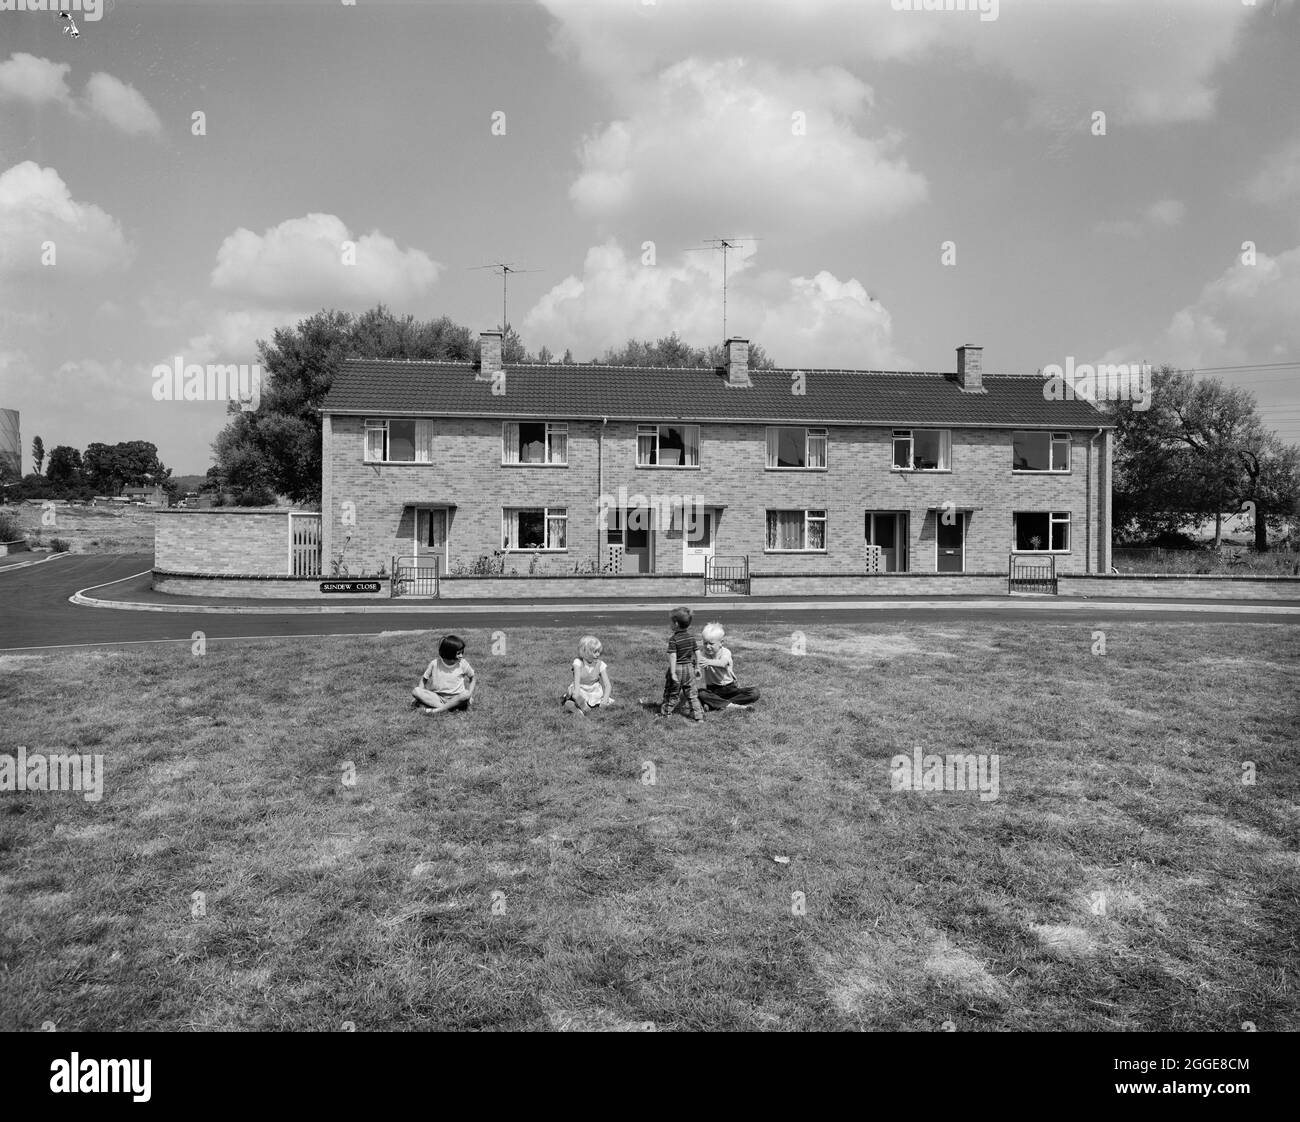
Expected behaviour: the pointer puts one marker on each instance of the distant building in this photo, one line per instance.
(150, 496)
(11, 440)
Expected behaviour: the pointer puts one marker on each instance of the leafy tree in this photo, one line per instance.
(277, 448)
(66, 468)
(131, 463)
(1199, 451)
(671, 350)
(38, 453)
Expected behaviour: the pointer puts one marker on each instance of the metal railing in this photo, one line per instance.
(414, 576)
(727, 575)
(1031, 574)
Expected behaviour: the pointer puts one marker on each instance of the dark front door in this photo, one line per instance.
(951, 544)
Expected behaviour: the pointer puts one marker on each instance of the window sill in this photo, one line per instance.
(668, 467)
(399, 463)
(1045, 471)
(530, 552)
(920, 471)
(812, 471)
(808, 551)
(508, 464)
(1041, 552)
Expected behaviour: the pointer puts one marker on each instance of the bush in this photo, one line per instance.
(59, 545)
(9, 528)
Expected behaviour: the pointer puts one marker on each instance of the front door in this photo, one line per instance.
(638, 541)
(889, 531)
(431, 538)
(697, 542)
(951, 544)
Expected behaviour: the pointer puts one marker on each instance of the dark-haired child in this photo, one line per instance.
(448, 680)
(683, 666)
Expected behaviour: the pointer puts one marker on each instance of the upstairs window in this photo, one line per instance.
(923, 449)
(399, 440)
(1040, 451)
(535, 442)
(668, 446)
(796, 448)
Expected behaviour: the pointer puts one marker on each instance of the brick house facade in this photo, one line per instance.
(800, 471)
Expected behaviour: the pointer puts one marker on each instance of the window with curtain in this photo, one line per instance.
(796, 530)
(399, 440)
(668, 446)
(790, 446)
(535, 528)
(534, 442)
(1040, 451)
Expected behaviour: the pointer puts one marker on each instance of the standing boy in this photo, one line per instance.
(682, 667)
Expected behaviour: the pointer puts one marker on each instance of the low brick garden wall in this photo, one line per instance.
(880, 584)
(639, 587)
(1177, 586)
(19, 545)
(252, 587)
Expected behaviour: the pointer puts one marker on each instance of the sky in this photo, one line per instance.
(1096, 180)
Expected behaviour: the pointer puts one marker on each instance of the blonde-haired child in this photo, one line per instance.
(720, 688)
(590, 688)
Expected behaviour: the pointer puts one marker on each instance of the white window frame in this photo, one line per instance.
(648, 430)
(549, 514)
(1054, 518)
(909, 435)
(422, 440)
(1053, 440)
(554, 430)
(810, 515)
(809, 435)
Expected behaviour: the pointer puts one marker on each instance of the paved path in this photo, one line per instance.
(35, 612)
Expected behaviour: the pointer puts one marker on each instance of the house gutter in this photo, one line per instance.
(600, 481)
(1087, 530)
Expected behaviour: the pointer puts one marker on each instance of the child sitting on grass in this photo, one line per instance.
(682, 666)
(448, 680)
(720, 689)
(590, 688)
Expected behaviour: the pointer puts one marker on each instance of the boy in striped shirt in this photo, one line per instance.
(683, 665)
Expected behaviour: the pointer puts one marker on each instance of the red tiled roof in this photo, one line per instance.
(386, 387)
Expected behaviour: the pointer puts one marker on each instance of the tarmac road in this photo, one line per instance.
(36, 615)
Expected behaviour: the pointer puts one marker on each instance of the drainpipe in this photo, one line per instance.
(1087, 561)
(600, 481)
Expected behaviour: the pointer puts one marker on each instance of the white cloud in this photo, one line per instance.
(39, 81)
(35, 80)
(1279, 179)
(1146, 63)
(299, 264)
(35, 207)
(122, 106)
(1162, 215)
(745, 144)
(1245, 315)
(800, 321)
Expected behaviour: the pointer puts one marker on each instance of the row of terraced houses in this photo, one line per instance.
(635, 470)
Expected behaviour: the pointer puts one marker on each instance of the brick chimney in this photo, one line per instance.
(737, 362)
(970, 373)
(489, 355)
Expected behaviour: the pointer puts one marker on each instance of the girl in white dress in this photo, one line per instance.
(590, 688)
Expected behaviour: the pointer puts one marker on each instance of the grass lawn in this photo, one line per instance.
(509, 868)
